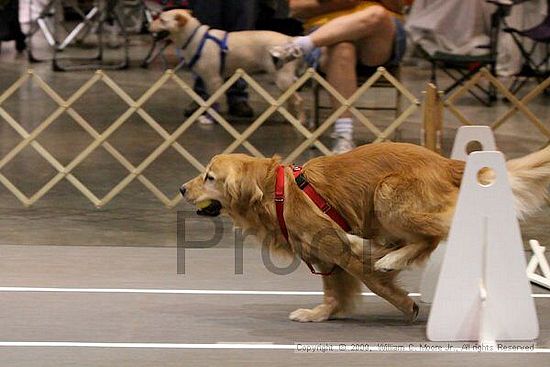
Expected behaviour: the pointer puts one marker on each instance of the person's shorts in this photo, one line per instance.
(399, 43)
(399, 48)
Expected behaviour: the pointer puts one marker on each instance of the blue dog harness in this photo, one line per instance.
(222, 44)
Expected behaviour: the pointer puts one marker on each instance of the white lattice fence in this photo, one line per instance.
(136, 172)
(517, 105)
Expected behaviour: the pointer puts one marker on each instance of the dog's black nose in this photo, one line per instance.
(183, 190)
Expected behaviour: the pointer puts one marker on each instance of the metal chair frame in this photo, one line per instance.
(463, 67)
(98, 15)
(530, 68)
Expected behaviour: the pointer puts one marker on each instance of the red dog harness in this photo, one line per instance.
(317, 199)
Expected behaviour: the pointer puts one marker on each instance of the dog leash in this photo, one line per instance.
(191, 36)
(317, 199)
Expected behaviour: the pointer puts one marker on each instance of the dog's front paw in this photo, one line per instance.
(307, 315)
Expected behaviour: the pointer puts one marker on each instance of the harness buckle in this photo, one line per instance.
(326, 208)
(301, 182)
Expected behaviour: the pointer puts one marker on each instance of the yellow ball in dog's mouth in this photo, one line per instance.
(204, 204)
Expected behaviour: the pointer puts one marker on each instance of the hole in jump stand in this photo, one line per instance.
(486, 176)
(473, 146)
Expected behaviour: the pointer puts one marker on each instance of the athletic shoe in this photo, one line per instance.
(205, 120)
(285, 53)
(239, 109)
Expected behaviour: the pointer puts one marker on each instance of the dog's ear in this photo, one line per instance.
(252, 191)
(181, 19)
(242, 188)
(231, 188)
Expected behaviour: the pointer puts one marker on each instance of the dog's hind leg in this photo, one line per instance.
(415, 213)
(341, 290)
(407, 204)
(383, 284)
(404, 256)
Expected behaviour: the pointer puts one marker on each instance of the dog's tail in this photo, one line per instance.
(529, 178)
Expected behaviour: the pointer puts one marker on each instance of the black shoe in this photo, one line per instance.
(241, 109)
(191, 108)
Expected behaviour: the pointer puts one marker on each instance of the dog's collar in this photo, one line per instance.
(317, 199)
(193, 35)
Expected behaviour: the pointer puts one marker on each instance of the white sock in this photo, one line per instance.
(305, 43)
(344, 128)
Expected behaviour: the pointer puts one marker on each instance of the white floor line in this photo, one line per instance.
(171, 291)
(260, 346)
(189, 291)
(147, 345)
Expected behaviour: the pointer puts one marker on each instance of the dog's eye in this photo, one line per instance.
(209, 178)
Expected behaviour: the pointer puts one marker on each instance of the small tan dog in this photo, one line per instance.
(202, 48)
(399, 196)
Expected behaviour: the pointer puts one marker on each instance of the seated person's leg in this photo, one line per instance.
(373, 31)
(200, 89)
(374, 25)
(340, 70)
(239, 15)
(229, 15)
(20, 43)
(378, 48)
(209, 12)
(237, 100)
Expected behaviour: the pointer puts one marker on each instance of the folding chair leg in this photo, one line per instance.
(398, 98)
(398, 133)
(97, 62)
(517, 84)
(490, 93)
(316, 104)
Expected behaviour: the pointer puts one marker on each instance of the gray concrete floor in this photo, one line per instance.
(192, 318)
(63, 241)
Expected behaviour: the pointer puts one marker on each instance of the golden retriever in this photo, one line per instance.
(401, 197)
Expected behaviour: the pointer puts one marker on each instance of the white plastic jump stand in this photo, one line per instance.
(464, 137)
(483, 293)
(538, 260)
(471, 134)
